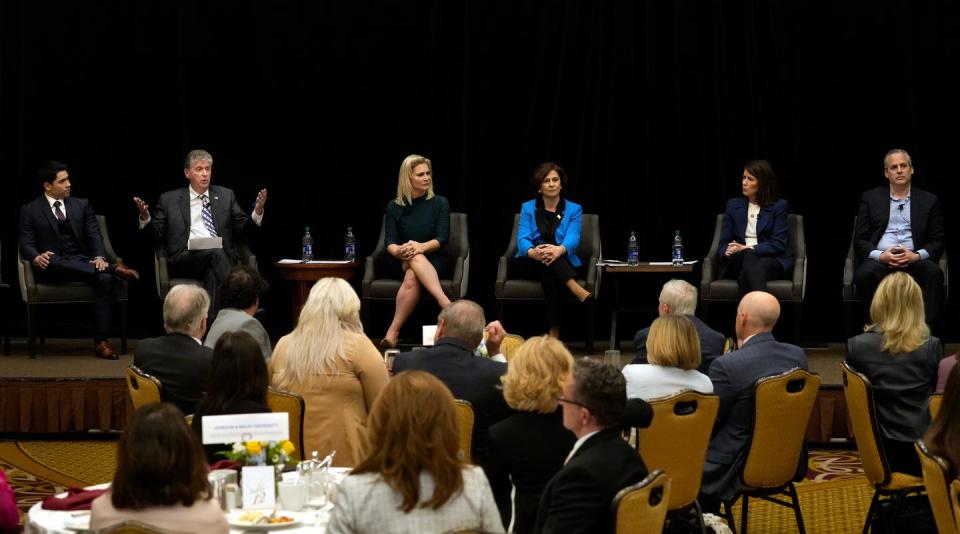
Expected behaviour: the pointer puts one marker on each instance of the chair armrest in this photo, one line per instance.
(800, 261)
(710, 261)
(28, 284)
(161, 274)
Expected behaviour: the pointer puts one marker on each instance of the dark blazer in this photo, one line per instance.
(567, 234)
(711, 344)
(578, 497)
(773, 232)
(40, 232)
(234, 407)
(469, 377)
(180, 363)
(926, 221)
(734, 375)
(902, 383)
(170, 221)
(526, 450)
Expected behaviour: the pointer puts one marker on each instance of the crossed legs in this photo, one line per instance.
(417, 272)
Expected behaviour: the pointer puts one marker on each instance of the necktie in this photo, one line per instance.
(207, 216)
(56, 210)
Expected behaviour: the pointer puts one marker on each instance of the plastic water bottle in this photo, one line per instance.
(307, 243)
(350, 245)
(677, 248)
(632, 250)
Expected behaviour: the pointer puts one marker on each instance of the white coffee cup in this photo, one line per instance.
(293, 495)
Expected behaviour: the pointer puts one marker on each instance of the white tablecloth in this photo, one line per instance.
(40, 521)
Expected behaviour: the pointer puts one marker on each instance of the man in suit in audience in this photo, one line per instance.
(734, 375)
(469, 377)
(900, 228)
(179, 360)
(199, 210)
(680, 298)
(241, 293)
(601, 463)
(60, 236)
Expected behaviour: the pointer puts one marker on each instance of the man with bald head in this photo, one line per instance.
(734, 376)
(470, 377)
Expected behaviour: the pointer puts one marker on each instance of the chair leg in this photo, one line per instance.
(365, 311)
(744, 513)
(870, 512)
(699, 511)
(32, 328)
(797, 321)
(796, 508)
(728, 515)
(500, 310)
(590, 323)
(123, 327)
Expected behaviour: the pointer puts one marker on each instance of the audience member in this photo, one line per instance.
(943, 436)
(900, 228)
(412, 477)
(471, 378)
(330, 362)
(241, 294)
(943, 370)
(680, 298)
(528, 448)
(734, 376)
(899, 357)
(161, 477)
(237, 384)
(178, 359)
(9, 514)
(200, 210)
(601, 463)
(674, 352)
(60, 236)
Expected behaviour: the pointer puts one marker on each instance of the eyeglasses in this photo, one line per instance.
(571, 401)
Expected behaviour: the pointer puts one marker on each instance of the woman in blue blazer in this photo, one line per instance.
(547, 240)
(755, 245)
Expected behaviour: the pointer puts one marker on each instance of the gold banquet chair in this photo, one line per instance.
(933, 404)
(510, 343)
(936, 478)
(292, 403)
(676, 442)
(132, 526)
(887, 484)
(642, 507)
(465, 426)
(782, 407)
(143, 388)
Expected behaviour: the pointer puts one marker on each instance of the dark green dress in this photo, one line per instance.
(422, 221)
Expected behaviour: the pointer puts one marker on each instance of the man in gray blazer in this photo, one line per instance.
(200, 210)
(734, 375)
(240, 296)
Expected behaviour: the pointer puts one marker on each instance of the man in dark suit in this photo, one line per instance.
(469, 377)
(178, 359)
(900, 228)
(734, 375)
(60, 236)
(200, 210)
(680, 298)
(601, 463)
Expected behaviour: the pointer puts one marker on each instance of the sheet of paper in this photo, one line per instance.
(259, 490)
(219, 429)
(429, 330)
(205, 243)
(691, 262)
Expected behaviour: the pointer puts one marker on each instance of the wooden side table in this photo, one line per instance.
(618, 269)
(306, 274)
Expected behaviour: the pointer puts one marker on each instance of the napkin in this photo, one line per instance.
(76, 499)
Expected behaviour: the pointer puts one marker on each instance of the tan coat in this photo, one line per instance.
(337, 403)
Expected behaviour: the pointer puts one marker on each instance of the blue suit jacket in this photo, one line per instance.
(568, 232)
(773, 234)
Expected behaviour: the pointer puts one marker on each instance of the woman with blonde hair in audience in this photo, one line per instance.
(161, 477)
(413, 477)
(330, 362)
(673, 350)
(899, 356)
(529, 447)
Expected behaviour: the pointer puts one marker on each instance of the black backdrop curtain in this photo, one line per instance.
(652, 107)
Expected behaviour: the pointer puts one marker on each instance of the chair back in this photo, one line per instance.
(510, 343)
(934, 405)
(729, 345)
(144, 389)
(292, 403)
(782, 408)
(642, 507)
(955, 500)
(465, 426)
(132, 526)
(676, 441)
(863, 419)
(936, 476)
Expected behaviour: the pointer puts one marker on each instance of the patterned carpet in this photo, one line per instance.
(834, 498)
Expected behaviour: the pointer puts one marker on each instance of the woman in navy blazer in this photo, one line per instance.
(755, 245)
(547, 239)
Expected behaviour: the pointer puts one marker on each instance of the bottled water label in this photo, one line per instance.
(307, 252)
